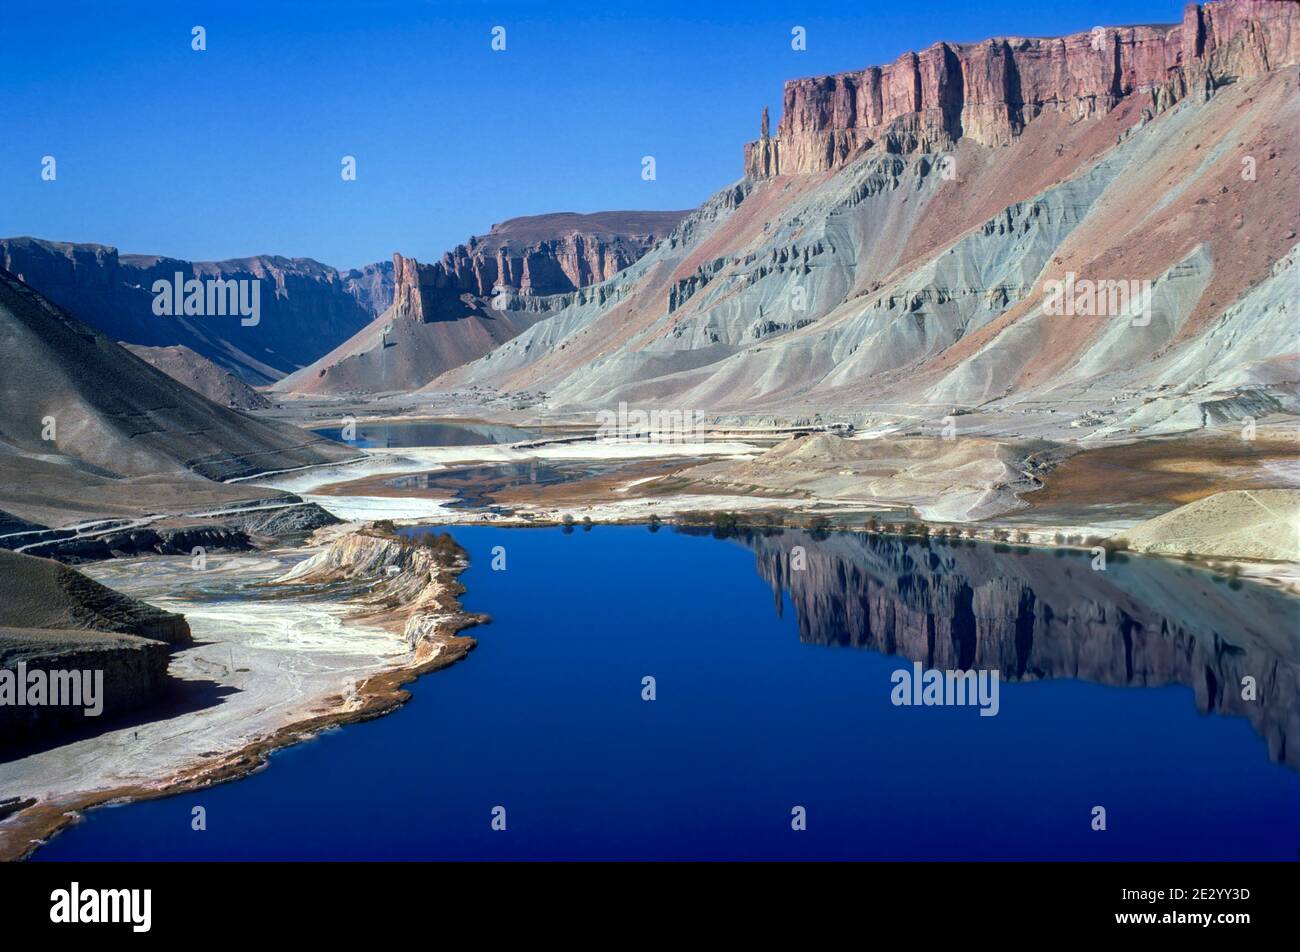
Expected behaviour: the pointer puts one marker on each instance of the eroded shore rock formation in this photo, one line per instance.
(405, 583)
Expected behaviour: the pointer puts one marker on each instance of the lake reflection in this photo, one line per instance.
(1034, 614)
(762, 706)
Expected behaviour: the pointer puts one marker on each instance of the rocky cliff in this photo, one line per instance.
(989, 91)
(133, 672)
(306, 307)
(480, 295)
(372, 286)
(549, 254)
(900, 283)
(53, 618)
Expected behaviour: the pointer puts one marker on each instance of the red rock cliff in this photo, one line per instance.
(988, 91)
(536, 255)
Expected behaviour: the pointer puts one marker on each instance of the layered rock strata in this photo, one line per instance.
(404, 583)
(988, 91)
(53, 619)
(480, 295)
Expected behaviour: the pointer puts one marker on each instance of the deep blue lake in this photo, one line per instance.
(773, 679)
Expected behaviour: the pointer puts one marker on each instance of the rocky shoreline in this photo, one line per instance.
(420, 599)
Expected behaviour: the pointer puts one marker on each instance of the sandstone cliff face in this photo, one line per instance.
(987, 92)
(306, 307)
(550, 254)
(480, 295)
(1137, 624)
(536, 255)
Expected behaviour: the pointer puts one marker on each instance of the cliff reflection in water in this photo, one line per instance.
(1047, 614)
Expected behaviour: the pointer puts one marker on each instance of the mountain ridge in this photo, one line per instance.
(479, 295)
(306, 306)
(987, 91)
(76, 398)
(907, 284)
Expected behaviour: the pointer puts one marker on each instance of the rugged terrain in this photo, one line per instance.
(306, 307)
(480, 295)
(53, 618)
(306, 646)
(891, 252)
(885, 266)
(82, 419)
(200, 374)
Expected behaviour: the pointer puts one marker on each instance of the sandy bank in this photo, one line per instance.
(1259, 524)
(275, 661)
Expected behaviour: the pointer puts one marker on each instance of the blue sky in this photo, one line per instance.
(236, 150)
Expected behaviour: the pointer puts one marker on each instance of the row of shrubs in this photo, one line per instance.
(728, 522)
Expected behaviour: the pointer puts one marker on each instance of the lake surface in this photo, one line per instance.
(773, 658)
(423, 433)
(476, 487)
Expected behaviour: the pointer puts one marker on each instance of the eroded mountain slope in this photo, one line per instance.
(902, 263)
(480, 295)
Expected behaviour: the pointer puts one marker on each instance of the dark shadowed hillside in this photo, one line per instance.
(69, 396)
(307, 307)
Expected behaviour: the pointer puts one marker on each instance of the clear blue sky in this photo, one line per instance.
(236, 150)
